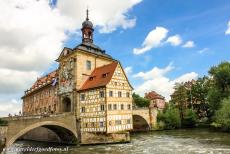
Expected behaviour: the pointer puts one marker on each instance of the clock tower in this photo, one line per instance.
(87, 30)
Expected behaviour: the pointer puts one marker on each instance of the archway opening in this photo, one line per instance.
(140, 124)
(46, 133)
(66, 104)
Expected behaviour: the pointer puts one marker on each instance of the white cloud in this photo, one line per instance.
(228, 30)
(154, 73)
(189, 44)
(174, 40)
(153, 40)
(156, 80)
(12, 81)
(108, 15)
(186, 77)
(128, 70)
(203, 50)
(12, 107)
(32, 34)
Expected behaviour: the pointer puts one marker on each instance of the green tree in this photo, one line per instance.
(179, 98)
(169, 118)
(199, 93)
(220, 85)
(221, 77)
(190, 118)
(222, 116)
(140, 101)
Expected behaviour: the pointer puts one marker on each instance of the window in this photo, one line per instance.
(127, 94)
(88, 65)
(114, 106)
(128, 121)
(119, 94)
(129, 107)
(49, 109)
(93, 124)
(110, 123)
(101, 124)
(110, 107)
(118, 122)
(83, 109)
(102, 107)
(105, 75)
(110, 93)
(102, 94)
(55, 107)
(82, 97)
(91, 78)
(122, 106)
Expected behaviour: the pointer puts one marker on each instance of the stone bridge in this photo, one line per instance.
(63, 125)
(144, 119)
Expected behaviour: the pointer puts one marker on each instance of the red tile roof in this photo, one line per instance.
(45, 80)
(100, 76)
(153, 95)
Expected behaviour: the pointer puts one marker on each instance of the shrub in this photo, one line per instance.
(222, 116)
(170, 117)
(140, 101)
(3, 122)
(189, 119)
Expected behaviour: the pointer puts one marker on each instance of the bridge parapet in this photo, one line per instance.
(15, 118)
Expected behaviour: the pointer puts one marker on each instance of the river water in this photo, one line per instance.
(184, 141)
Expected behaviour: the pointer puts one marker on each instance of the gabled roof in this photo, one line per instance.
(66, 51)
(43, 81)
(100, 77)
(153, 95)
(93, 49)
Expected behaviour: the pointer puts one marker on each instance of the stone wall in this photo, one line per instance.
(103, 138)
(3, 133)
(41, 134)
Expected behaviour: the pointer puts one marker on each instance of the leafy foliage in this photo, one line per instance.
(3, 122)
(221, 76)
(189, 119)
(179, 98)
(140, 101)
(199, 92)
(222, 116)
(169, 118)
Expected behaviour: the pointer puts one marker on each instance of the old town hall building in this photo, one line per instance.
(90, 84)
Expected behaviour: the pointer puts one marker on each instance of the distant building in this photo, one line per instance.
(156, 100)
(90, 84)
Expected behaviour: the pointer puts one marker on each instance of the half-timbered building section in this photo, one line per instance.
(92, 110)
(42, 97)
(105, 100)
(119, 102)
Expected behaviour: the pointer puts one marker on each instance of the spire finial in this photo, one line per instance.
(87, 14)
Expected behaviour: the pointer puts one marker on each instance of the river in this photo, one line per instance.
(184, 141)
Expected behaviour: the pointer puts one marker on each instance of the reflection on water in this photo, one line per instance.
(163, 142)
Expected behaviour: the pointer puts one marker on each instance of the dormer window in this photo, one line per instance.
(91, 78)
(105, 75)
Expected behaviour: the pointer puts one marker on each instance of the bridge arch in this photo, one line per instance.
(140, 123)
(66, 133)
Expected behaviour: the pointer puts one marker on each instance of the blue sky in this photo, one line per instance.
(203, 22)
(159, 42)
